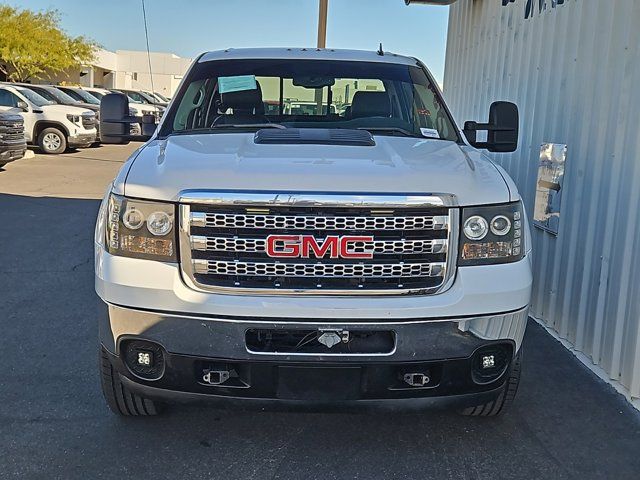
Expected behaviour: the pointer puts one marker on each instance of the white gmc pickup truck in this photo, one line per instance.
(359, 253)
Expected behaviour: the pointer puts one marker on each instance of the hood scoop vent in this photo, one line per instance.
(314, 136)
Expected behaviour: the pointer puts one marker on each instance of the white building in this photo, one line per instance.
(573, 68)
(129, 69)
(133, 71)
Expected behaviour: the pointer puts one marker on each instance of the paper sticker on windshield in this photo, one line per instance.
(430, 132)
(237, 84)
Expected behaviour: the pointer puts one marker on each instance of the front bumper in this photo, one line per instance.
(9, 153)
(12, 150)
(446, 350)
(81, 139)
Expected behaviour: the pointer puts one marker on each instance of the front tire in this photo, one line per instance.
(497, 406)
(120, 399)
(52, 141)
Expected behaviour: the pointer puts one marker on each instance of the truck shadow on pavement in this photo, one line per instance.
(565, 422)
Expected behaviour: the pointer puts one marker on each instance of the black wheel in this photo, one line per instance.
(119, 398)
(51, 140)
(497, 406)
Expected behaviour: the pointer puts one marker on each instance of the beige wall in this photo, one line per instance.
(133, 71)
(127, 69)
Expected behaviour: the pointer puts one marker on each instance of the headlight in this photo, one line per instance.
(134, 112)
(133, 218)
(141, 229)
(475, 228)
(73, 118)
(500, 225)
(491, 234)
(159, 223)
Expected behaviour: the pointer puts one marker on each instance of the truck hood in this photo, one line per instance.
(64, 109)
(164, 168)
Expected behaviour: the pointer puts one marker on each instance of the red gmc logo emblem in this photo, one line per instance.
(304, 246)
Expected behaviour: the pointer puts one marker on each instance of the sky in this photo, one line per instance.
(190, 27)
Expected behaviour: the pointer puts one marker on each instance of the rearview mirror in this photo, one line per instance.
(22, 105)
(313, 82)
(115, 121)
(502, 128)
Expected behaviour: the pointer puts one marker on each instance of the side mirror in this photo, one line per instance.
(148, 125)
(502, 128)
(115, 121)
(22, 105)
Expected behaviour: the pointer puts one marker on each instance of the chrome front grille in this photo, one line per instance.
(11, 131)
(11, 137)
(232, 244)
(271, 269)
(411, 242)
(223, 220)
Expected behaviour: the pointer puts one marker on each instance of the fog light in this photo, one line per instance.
(488, 361)
(144, 359)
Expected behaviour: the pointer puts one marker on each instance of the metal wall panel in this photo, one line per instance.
(573, 69)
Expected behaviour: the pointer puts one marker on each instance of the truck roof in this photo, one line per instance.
(306, 54)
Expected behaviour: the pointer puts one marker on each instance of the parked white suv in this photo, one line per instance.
(50, 126)
(368, 258)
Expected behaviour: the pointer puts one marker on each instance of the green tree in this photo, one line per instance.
(32, 45)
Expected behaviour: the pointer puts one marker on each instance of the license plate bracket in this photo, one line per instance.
(319, 383)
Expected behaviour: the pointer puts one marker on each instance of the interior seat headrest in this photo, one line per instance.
(370, 104)
(243, 99)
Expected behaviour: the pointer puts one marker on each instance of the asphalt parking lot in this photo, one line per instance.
(565, 423)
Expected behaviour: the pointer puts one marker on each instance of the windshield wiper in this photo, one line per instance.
(248, 125)
(402, 131)
(229, 126)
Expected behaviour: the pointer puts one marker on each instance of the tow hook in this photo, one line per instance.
(215, 377)
(416, 379)
(329, 338)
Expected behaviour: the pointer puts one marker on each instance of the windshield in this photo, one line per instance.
(97, 95)
(86, 97)
(160, 97)
(34, 98)
(148, 97)
(55, 95)
(134, 97)
(386, 99)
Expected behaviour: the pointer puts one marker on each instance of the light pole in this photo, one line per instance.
(322, 23)
(322, 43)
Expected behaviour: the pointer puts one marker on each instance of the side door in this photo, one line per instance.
(9, 102)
